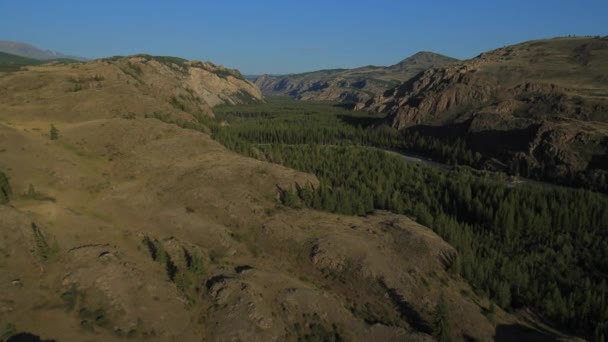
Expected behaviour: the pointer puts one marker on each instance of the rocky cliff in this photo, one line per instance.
(542, 104)
(348, 85)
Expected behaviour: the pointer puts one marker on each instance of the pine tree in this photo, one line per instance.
(441, 324)
(5, 188)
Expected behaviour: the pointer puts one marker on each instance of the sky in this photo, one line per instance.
(278, 37)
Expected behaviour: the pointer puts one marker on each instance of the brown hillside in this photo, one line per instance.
(121, 86)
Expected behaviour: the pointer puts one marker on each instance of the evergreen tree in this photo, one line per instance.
(5, 189)
(441, 324)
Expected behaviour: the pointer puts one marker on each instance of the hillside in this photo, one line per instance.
(10, 62)
(123, 226)
(30, 51)
(131, 86)
(348, 85)
(537, 109)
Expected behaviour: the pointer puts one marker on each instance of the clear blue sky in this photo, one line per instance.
(268, 36)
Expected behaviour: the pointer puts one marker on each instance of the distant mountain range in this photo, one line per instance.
(349, 85)
(30, 51)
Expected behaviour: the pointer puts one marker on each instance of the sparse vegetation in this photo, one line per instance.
(89, 319)
(183, 277)
(157, 252)
(75, 88)
(44, 250)
(177, 104)
(70, 297)
(314, 330)
(8, 331)
(216, 255)
(36, 195)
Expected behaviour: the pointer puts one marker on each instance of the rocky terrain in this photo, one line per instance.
(122, 226)
(539, 107)
(348, 85)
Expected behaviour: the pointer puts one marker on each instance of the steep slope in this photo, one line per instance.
(540, 107)
(122, 87)
(30, 51)
(348, 85)
(128, 227)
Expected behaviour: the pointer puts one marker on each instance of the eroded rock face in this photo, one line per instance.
(554, 84)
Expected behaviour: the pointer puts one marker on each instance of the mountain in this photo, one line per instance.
(348, 85)
(30, 51)
(539, 108)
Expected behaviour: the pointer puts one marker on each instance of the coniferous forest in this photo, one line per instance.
(522, 244)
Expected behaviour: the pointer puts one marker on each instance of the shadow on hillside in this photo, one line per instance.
(407, 311)
(346, 105)
(27, 337)
(362, 121)
(599, 162)
(491, 141)
(518, 332)
(445, 132)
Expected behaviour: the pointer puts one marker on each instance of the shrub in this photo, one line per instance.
(53, 133)
(5, 189)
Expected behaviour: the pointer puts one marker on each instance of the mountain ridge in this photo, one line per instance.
(31, 51)
(348, 85)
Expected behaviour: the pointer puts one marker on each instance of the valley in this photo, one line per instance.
(122, 218)
(493, 224)
(159, 199)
